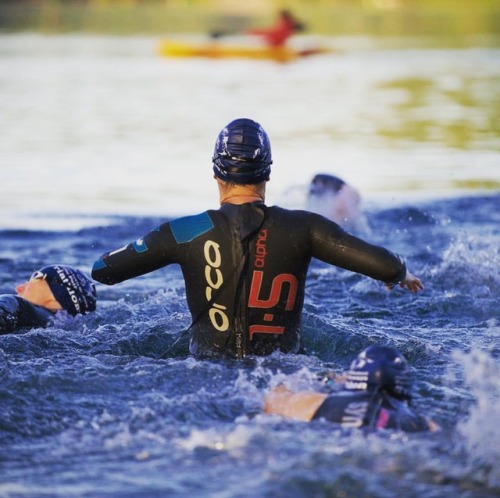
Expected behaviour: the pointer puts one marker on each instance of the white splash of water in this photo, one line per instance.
(480, 428)
(231, 441)
(460, 266)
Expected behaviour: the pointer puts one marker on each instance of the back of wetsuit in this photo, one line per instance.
(17, 313)
(371, 410)
(245, 270)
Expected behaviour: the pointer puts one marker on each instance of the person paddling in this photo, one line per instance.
(278, 34)
(274, 36)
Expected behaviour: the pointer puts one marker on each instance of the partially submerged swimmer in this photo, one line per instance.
(49, 290)
(334, 199)
(376, 394)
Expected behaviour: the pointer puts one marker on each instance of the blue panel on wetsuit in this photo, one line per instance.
(99, 265)
(140, 246)
(188, 228)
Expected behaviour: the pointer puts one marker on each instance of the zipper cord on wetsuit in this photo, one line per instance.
(240, 352)
(240, 322)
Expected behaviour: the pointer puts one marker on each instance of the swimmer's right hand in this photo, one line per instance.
(411, 282)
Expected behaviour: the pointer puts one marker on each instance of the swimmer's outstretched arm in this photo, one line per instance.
(411, 282)
(296, 405)
(433, 427)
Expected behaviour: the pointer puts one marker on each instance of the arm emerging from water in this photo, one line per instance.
(296, 405)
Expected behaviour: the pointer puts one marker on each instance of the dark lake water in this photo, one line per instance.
(103, 405)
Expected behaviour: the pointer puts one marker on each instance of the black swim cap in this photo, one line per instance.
(380, 368)
(322, 183)
(74, 291)
(242, 153)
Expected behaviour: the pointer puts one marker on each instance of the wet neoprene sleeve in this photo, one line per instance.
(17, 313)
(333, 245)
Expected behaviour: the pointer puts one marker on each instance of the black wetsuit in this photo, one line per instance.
(17, 313)
(371, 410)
(245, 270)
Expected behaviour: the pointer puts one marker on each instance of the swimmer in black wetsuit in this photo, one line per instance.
(49, 290)
(245, 264)
(376, 395)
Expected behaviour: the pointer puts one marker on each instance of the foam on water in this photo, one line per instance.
(480, 428)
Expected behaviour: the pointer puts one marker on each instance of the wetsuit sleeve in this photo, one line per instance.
(16, 313)
(9, 309)
(151, 252)
(330, 243)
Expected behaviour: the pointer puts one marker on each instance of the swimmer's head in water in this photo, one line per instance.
(322, 183)
(74, 291)
(380, 368)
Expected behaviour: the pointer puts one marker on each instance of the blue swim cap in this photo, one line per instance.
(242, 153)
(74, 291)
(380, 368)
